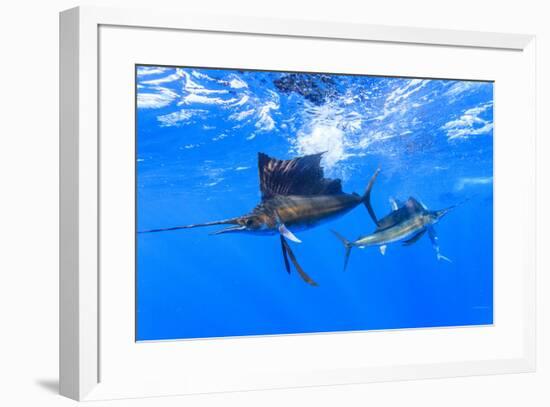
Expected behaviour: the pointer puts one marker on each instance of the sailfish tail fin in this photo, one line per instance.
(347, 245)
(366, 197)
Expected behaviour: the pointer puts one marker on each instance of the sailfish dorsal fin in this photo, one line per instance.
(299, 176)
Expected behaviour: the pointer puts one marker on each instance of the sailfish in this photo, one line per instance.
(407, 223)
(295, 196)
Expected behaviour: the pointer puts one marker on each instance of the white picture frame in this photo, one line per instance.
(82, 341)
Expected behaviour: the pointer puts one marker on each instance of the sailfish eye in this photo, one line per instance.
(249, 222)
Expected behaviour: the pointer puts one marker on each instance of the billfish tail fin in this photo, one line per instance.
(347, 245)
(366, 197)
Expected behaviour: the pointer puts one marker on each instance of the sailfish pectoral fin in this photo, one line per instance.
(288, 234)
(283, 230)
(299, 269)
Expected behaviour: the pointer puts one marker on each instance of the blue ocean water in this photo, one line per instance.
(198, 135)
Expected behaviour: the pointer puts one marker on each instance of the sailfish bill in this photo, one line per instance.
(219, 222)
(294, 195)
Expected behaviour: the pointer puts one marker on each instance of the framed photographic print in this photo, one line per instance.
(324, 125)
(253, 203)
